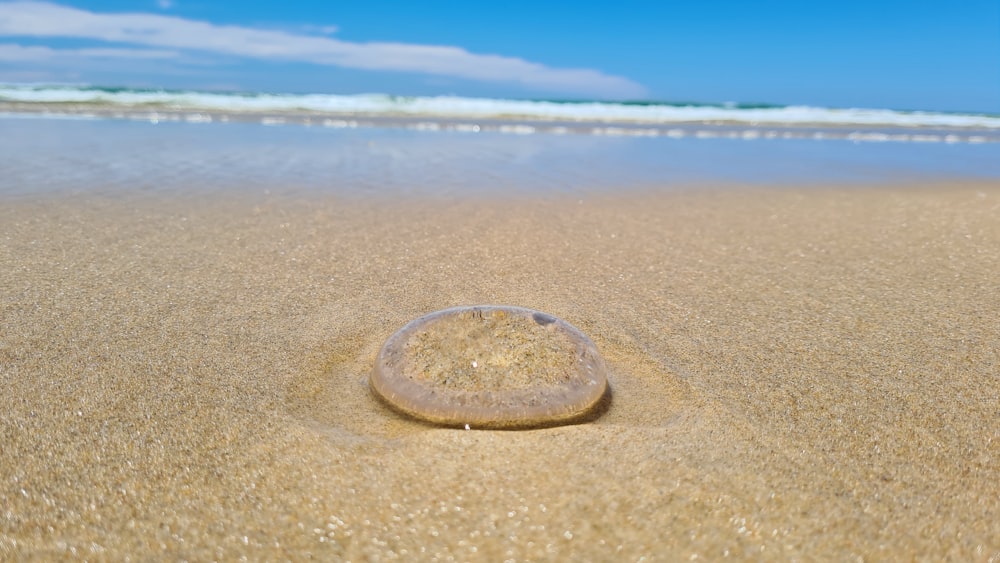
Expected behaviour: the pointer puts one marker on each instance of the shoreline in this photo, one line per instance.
(794, 373)
(105, 156)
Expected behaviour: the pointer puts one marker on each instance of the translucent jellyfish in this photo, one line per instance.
(491, 367)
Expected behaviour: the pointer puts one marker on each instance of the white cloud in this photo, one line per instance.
(14, 53)
(40, 19)
(320, 29)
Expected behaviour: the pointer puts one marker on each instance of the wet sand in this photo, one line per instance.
(795, 374)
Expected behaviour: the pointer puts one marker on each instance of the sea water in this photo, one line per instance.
(71, 139)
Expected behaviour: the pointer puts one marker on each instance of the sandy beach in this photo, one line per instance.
(796, 374)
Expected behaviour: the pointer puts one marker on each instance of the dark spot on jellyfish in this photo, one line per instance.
(491, 367)
(543, 319)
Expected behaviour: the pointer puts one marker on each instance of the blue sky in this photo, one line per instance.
(917, 54)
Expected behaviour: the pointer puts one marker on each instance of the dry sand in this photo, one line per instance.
(795, 374)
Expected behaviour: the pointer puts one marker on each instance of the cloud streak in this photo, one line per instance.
(41, 19)
(10, 52)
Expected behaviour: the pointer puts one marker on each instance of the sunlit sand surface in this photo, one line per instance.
(795, 374)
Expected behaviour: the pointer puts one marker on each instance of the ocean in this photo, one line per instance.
(84, 138)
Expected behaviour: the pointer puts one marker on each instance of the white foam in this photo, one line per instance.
(487, 108)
